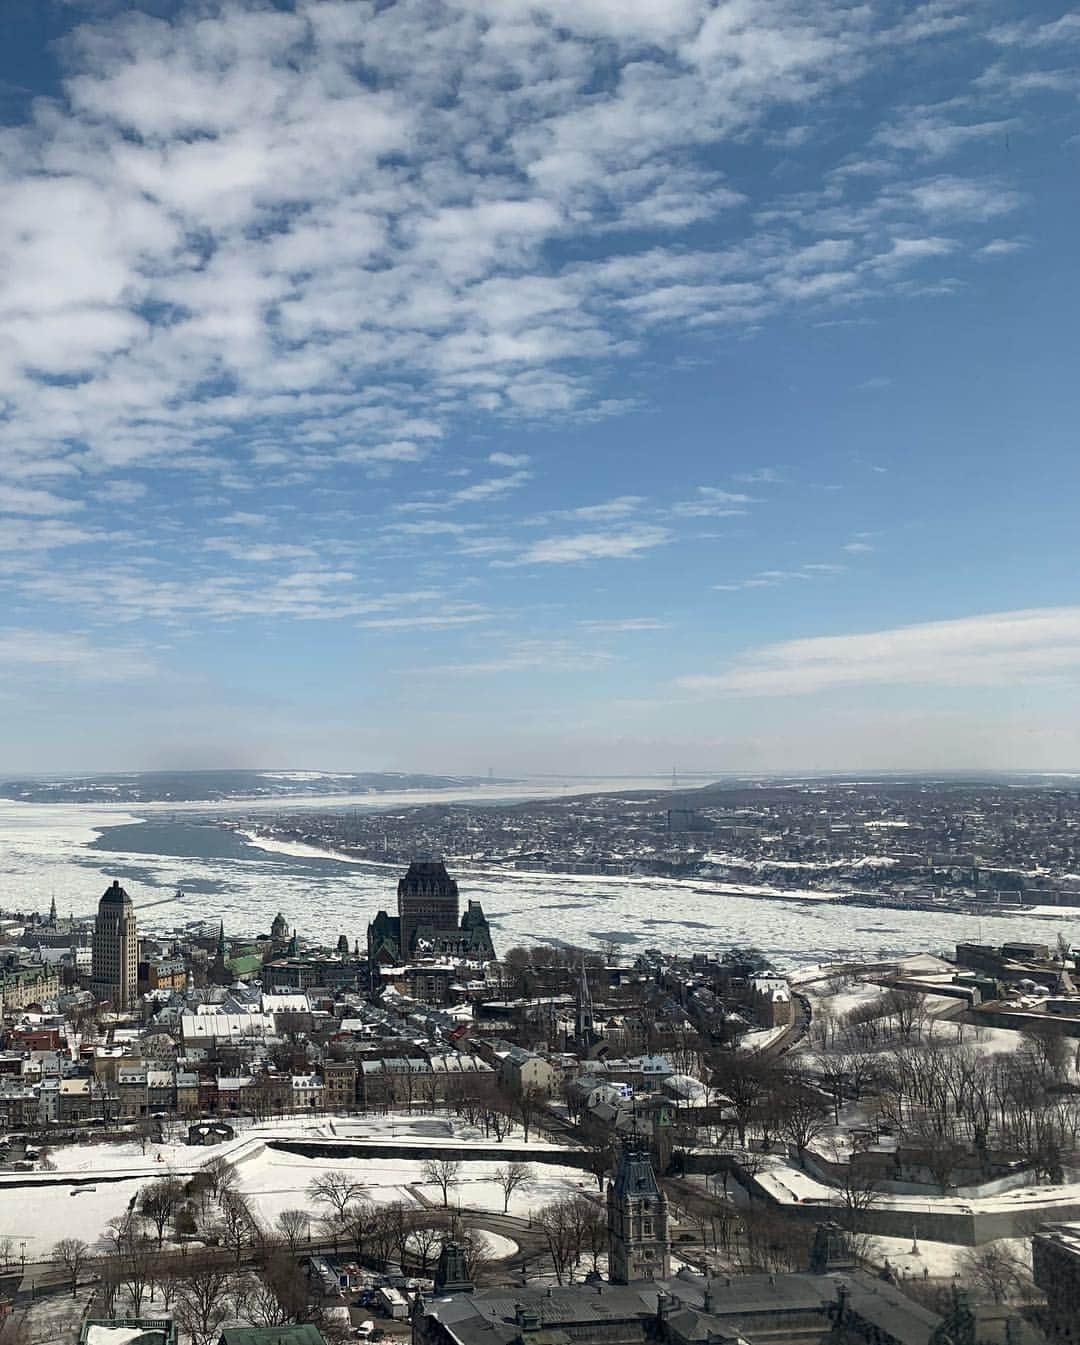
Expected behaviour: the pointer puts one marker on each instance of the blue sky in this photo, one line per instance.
(592, 386)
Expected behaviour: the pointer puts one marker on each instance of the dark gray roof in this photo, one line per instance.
(634, 1175)
(115, 895)
(488, 1316)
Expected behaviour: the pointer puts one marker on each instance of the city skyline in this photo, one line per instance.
(582, 389)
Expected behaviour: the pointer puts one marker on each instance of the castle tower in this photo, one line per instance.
(427, 898)
(637, 1220)
(114, 964)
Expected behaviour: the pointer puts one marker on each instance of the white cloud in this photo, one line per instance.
(1001, 247)
(619, 507)
(47, 653)
(509, 459)
(998, 649)
(423, 622)
(712, 502)
(774, 578)
(23, 500)
(179, 269)
(584, 546)
(1031, 33)
(257, 553)
(527, 655)
(241, 519)
(933, 133)
(121, 492)
(766, 476)
(626, 624)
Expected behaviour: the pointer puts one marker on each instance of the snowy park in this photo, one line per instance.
(38, 1209)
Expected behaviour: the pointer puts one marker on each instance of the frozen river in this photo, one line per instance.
(73, 851)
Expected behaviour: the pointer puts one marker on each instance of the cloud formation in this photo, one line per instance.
(998, 649)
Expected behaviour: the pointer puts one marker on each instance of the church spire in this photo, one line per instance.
(584, 1030)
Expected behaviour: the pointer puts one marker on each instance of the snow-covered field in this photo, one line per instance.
(272, 1180)
(44, 850)
(940, 1260)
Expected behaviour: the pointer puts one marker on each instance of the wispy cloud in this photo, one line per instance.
(22, 500)
(712, 502)
(619, 507)
(54, 653)
(626, 624)
(575, 548)
(998, 649)
(774, 578)
(527, 656)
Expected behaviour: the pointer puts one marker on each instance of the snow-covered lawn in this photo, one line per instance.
(275, 1181)
(272, 1179)
(478, 1189)
(128, 1155)
(940, 1260)
(46, 1214)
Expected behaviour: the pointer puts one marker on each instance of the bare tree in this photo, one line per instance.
(510, 1176)
(745, 1079)
(294, 1226)
(335, 1189)
(562, 1229)
(599, 1159)
(995, 1272)
(332, 1227)
(159, 1202)
(73, 1253)
(593, 1224)
(273, 1296)
(443, 1173)
(164, 1279)
(119, 1230)
(357, 1225)
(805, 1114)
(527, 1104)
(219, 1174)
(237, 1223)
(858, 1191)
(136, 1265)
(476, 1250)
(203, 1299)
(400, 1220)
(16, 1330)
(424, 1242)
(380, 1236)
(943, 1149)
(908, 1007)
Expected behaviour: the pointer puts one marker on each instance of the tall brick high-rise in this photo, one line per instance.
(114, 970)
